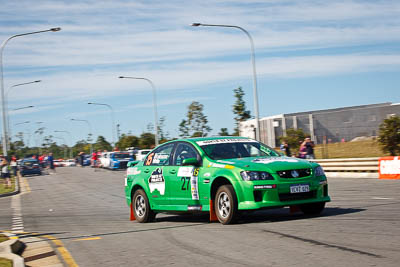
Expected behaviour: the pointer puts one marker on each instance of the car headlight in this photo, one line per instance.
(256, 176)
(319, 171)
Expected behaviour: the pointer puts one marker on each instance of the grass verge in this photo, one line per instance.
(3, 238)
(5, 262)
(3, 189)
(356, 149)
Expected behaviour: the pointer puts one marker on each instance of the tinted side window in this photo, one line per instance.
(184, 151)
(161, 156)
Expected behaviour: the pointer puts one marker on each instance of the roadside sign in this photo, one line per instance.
(389, 168)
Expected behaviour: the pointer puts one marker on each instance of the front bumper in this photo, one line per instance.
(278, 194)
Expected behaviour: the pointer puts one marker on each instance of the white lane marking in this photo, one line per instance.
(17, 219)
(18, 224)
(383, 198)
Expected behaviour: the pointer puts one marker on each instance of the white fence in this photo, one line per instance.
(350, 167)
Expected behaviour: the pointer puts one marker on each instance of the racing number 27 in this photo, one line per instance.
(185, 183)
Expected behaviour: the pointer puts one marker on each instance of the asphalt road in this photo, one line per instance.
(86, 210)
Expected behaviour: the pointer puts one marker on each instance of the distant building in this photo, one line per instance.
(333, 125)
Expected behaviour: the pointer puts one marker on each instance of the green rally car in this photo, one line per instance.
(222, 176)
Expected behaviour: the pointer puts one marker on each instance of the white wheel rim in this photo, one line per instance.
(140, 206)
(224, 205)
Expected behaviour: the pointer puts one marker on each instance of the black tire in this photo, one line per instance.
(225, 204)
(312, 208)
(141, 207)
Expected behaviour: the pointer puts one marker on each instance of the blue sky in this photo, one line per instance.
(310, 55)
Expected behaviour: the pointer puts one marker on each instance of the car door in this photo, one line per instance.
(155, 167)
(184, 179)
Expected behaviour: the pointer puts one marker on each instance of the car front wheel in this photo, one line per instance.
(141, 207)
(312, 208)
(225, 205)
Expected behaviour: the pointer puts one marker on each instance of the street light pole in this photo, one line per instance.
(253, 61)
(7, 113)
(154, 103)
(112, 118)
(90, 132)
(2, 82)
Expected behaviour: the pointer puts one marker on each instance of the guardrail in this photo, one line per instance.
(350, 167)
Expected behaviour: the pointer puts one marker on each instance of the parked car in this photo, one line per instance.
(58, 163)
(69, 163)
(141, 154)
(222, 176)
(29, 166)
(86, 160)
(115, 160)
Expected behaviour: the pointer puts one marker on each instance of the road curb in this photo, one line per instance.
(10, 248)
(17, 188)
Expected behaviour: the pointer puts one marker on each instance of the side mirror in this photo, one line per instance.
(190, 161)
(133, 163)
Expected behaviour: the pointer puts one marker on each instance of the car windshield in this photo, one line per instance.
(30, 162)
(231, 150)
(121, 155)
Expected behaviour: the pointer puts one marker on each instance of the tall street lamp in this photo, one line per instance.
(8, 122)
(90, 132)
(112, 118)
(70, 136)
(6, 103)
(154, 103)
(2, 82)
(253, 60)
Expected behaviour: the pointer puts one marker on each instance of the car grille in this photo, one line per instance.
(297, 196)
(292, 173)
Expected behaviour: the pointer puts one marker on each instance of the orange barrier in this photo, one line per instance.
(389, 168)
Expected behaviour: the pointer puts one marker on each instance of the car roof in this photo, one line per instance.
(196, 139)
(30, 159)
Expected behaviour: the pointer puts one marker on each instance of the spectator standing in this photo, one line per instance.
(309, 148)
(81, 158)
(13, 165)
(5, 174)
(302, 150)
(41, 161)
(50, 162)
(94, 159)
(286, 148)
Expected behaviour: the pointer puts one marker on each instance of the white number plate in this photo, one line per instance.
(300, 188)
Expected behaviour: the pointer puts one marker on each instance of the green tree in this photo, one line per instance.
(102, 144)
(81, 146)
(196, 123)
(147, 140)
(183, 129)
(294, 137)
(389, 135)
(239, 109)
(127, 141)
(162, 134)
(223, 132)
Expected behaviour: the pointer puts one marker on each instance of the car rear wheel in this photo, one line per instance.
(312, 208)
(225, 204)
(141, 207)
